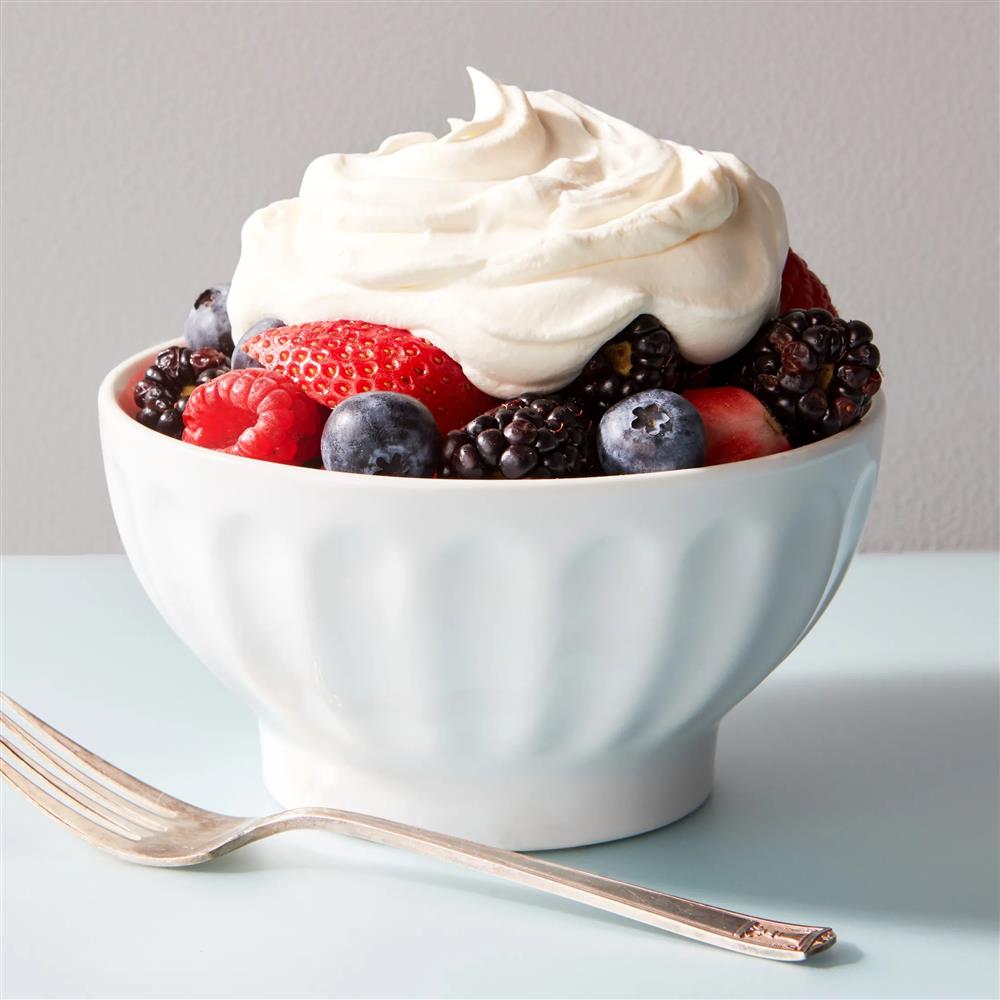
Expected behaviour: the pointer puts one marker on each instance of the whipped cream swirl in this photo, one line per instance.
(522, 240)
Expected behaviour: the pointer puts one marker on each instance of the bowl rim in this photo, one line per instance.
(111, 409)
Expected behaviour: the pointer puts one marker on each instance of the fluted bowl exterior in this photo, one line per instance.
(533, 664)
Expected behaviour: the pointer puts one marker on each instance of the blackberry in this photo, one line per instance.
(816, 373)
(544, 437)
(643, 356)
(163, 390)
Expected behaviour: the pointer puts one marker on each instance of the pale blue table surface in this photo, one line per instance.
(856, 787)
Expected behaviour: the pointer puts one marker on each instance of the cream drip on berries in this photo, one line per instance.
(522, 241)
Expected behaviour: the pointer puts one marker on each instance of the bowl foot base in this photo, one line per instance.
(545, 808)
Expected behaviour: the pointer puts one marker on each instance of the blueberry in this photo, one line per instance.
(381, 434)
(240, 357)
(652, 431)
(208, 322)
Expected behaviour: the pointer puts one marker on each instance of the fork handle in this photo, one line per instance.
(688, 918)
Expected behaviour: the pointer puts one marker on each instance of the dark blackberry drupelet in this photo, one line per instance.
(643, 356)
(816, 373)
(544, 437)
(163, 390)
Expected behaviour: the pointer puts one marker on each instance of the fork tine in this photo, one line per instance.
(91, 810)
(126, 808)
(146, 795)
(85, 827)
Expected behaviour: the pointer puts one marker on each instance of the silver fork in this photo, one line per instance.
(132, 820)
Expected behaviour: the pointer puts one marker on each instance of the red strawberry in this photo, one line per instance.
(334, 360)
(801, 289)
(737, 426)
(255, 413)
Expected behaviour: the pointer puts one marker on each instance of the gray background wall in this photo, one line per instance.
(138, 136)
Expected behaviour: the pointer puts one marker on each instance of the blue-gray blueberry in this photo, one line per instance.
(240, 357)
(381, 434)
(208, 322)
(652, 431)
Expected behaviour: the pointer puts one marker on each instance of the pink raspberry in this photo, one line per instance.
(255, 413)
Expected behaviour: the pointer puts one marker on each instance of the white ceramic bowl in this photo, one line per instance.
(529, 664)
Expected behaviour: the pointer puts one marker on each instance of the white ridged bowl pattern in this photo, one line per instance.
(534, 665)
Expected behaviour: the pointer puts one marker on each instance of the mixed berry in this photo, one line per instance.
(255, 413)
(643, 356)
(377, 400)
(543, 437)
(652, 431)
(333, 361)
(240, 357)
(381, 434)
(815, 372)
(163, 391)
(208, 321)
